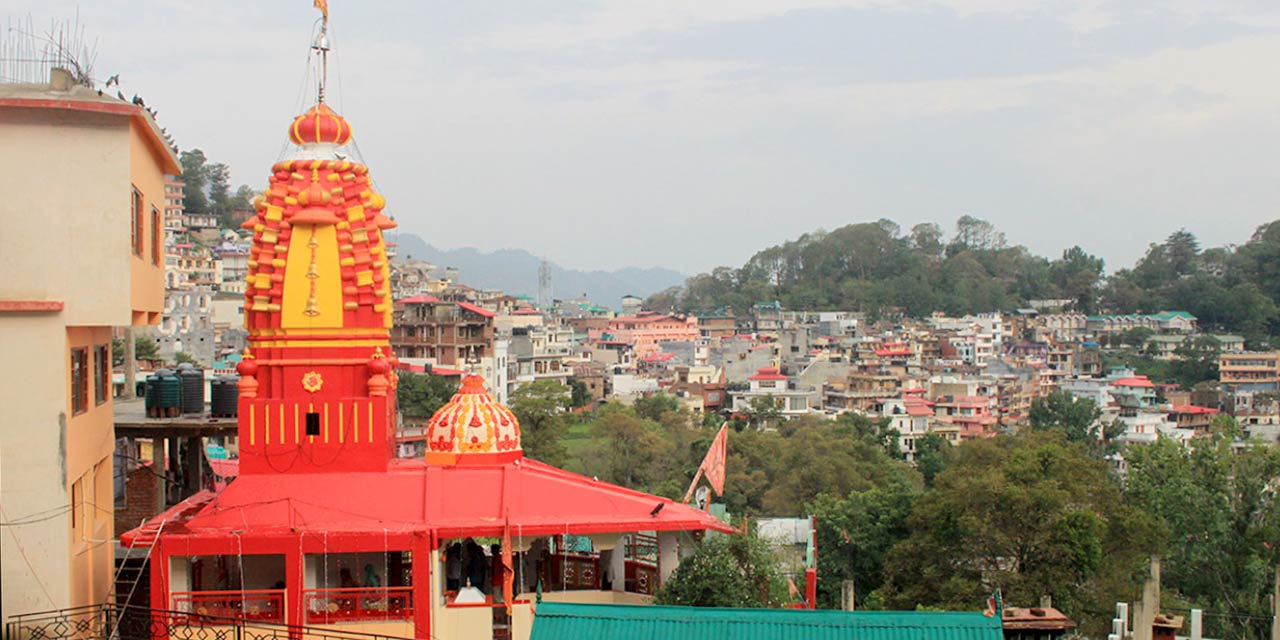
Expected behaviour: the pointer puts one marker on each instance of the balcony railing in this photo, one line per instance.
(330, 606)
(103, 622)
(264, 605)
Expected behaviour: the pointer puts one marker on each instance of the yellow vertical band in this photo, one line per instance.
(355, 422)
(253, 427)
(297, 434)
(266, 425)
(281, 423)
(341, 424)
(326, 420)
(370, 405)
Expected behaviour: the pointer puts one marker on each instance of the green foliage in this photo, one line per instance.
(421, 395)
(932, 454)
(540, 407)
(855, 533)
(627, 449)
(873, 267)
(208, 189)
(143, 349)
(1059, 410)
(194, 199)
(579, 394)
(1032, 514)
(1218, 510)
(737, 571)
(182, 356)
(652, 407)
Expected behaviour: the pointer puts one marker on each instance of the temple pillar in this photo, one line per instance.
(159, 591)
(668, 554)
(422, 602)
(294, 583)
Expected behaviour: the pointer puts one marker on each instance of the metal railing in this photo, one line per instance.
(330, 606)
(266, 605)
(97, 622)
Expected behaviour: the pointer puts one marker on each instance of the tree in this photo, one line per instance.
(421, 395)
(738, 571)
(143, 349)
(628, 450)
(540, 407)
(652, 407)
(194, 176)
(1031, 514)
(856, 532)
(1076, 419)
(182, 356)
(579, 394)
(1217, 506)
(932, 453)
(764, 410)
(219, 177)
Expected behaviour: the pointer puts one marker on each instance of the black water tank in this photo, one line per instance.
(223, 396)
(192, 388)
(164, 394)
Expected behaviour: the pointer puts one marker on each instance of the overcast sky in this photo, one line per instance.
(691, 134)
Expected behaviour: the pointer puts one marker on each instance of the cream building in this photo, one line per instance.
(83, 251)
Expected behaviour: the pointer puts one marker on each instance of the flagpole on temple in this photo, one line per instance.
(322, 46)
(712, 465)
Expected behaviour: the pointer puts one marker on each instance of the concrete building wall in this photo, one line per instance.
(71, 166)
(74, 169)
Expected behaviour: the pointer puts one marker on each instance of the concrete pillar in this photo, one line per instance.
(618, 568)
(668, 554)
(1122, 616)
(847, 596)
(1197, 624)
(130, 365)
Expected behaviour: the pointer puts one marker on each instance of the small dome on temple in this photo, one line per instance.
(320, 125)
(472, 426)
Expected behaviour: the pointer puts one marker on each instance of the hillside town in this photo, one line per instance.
(244, 413)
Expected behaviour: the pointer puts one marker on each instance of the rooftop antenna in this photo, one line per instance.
(321, 47)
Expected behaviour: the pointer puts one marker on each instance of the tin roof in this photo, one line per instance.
(564, 621)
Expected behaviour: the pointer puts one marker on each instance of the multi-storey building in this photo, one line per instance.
(444, 333)
(1249, 371)
(646, 331)
(84, 179)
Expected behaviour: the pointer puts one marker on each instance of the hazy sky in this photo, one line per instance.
(692, 134)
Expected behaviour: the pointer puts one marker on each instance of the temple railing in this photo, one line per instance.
(333, 606)
(264, 605)
(112, 622)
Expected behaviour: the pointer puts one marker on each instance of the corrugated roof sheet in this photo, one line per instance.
(563, 621)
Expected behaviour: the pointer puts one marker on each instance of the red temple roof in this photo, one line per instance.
(537, 500)
(767, 373)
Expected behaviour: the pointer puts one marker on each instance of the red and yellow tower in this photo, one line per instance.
(317, 387)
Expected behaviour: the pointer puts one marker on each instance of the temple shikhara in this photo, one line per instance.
(325, 526)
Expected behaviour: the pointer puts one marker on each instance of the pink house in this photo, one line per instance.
(645, 331)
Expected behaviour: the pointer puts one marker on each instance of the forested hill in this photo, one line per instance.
(874, 267)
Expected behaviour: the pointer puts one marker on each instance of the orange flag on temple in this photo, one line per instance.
(508, 571)
(323, 6)
(713, 465)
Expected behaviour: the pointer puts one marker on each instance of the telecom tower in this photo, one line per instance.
(544, 285)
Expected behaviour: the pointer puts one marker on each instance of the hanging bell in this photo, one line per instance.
(313, 272)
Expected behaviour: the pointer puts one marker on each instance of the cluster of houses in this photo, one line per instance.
(957, 377)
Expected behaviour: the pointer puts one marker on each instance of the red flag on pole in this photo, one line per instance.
(713, 464)
(508, 571)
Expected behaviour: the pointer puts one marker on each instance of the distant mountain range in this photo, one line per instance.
(515, 271)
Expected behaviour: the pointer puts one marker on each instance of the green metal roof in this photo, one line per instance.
(563, 621)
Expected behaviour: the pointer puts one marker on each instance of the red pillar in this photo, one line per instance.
(423, 542)
(811, 587)
(159, 590)
(294, 583)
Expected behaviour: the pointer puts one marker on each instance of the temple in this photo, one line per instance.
(325, 527)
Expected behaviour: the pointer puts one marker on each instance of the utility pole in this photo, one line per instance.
(1275, 606)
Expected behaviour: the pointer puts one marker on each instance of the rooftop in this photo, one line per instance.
(564, 621)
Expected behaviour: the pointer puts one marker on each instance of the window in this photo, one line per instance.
(79, 381)
(138, 229)
(157, 236)
(102, 373)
